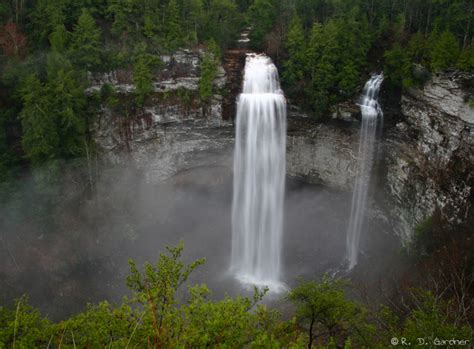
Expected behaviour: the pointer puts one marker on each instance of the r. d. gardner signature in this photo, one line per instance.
(451, 342)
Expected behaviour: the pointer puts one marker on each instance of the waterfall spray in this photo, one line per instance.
(371, 111)
(259, 176)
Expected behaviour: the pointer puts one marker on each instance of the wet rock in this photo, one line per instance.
(430, 155)
(347, 111)
(322, 153)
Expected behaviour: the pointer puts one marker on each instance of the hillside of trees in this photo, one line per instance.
(324, 48)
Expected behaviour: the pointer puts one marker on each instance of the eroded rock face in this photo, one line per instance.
(174, 131)
(322, 153)
(430, 158)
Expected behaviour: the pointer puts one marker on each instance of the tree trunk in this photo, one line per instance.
(468, 29)
(310, 343)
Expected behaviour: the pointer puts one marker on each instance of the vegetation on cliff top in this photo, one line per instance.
(325, 48)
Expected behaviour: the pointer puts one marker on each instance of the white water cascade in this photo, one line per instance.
(259, 176)
(370, 111)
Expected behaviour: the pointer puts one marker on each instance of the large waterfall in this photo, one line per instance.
(259, 176)
(370, 111)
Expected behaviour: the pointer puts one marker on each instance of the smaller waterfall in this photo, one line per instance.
(259, 176)
(371, 111)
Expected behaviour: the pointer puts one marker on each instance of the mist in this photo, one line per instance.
(66, 242)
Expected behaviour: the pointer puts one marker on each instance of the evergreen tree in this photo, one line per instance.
(444, 52)
(466, 59)
(85, 42)
(121, 11)
(196, 19)
(296, 48)
(397, 66)
(173, 26)
(222, 22)
(58, 39)
(208, 73)
(46, 16)
(143, 79)
(40, 135)
(262, 16)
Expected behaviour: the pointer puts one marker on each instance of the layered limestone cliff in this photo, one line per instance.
(426, 159)
(320, 153)
(430, 155)
(174, 132)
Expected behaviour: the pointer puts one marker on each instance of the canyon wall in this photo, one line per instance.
(430, 154)
(174, 132)
(426, 159)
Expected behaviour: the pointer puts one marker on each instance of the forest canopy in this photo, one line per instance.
(324, 49)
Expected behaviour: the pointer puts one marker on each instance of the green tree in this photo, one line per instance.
(40, 135)
(212, 323)
(194, 20)
(54, 112)
(445, 52)
(155, 289)
(85, 42)
(261, 16)
(44, 18)
(58, 39)
(23, 326)
(294, 66)
(173, 26)
(466, 59)
(143, 79)
(222, 22)
(323, 309)
(397, 66)
(208, 73)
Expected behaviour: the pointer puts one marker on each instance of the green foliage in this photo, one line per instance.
(222, 22)
(293, 72)
(208, 73)
(261, 17)
(208, 323)
(323, 307)
(329, 67)
(173, 25)
(142, 79)
(155, 290)
(155, 317)
(58, 39)
(98, 326)
(23, 326)
(53, 116)
(397, 66)
(85, 43)
(466, 59)
(445, 52)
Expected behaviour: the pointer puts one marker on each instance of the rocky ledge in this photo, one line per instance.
(429, 155)
(173, 133)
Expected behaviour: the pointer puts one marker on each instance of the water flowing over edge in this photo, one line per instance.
(370, 111)
(259, 176)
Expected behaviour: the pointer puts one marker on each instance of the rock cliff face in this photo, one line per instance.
(173, 133)
(427, 158)
(323, 154)
(430, 155)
